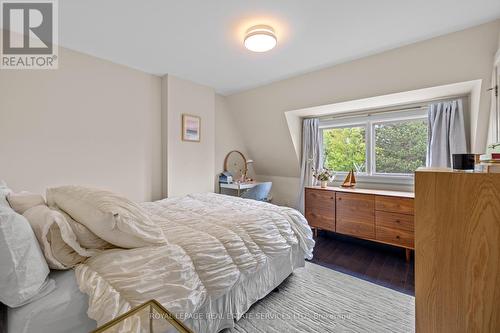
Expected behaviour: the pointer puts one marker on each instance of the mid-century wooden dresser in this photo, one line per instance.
(457, 256)
(376, 215)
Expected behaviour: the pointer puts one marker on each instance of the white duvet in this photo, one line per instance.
(215, 244)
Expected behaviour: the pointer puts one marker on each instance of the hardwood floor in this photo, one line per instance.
(380, 264)
(3, 318)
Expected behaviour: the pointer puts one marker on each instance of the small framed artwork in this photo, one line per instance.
(191, 126)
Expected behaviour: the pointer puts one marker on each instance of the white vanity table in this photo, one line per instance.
(236, 164)
(238, 187)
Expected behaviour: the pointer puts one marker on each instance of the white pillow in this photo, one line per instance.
(84, 236)
(23, 201)
(56, 238)
(115, 219)
(23, 269)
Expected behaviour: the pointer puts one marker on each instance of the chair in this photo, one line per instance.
(259, 192)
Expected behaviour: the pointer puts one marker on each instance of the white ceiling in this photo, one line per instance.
(202, 40)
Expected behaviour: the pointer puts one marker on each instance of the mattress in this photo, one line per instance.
(65, 309)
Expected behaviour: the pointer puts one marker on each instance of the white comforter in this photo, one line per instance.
(214, 242)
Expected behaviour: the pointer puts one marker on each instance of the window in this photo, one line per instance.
(400, 147)
(345, 148)
(385, 144)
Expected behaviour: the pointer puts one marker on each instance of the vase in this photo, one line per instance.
(324, 184)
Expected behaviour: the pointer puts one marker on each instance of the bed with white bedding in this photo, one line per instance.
(220, 255)
(65, 309)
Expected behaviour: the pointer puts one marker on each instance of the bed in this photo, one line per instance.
(221, 255)
(62, 310)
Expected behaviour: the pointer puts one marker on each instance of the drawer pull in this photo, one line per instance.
(331, 198)
(397, 236)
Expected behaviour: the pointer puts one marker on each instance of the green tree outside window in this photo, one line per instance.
(345, 148)
(400, 147)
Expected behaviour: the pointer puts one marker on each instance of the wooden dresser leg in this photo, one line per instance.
(315, 232)
(408, 255)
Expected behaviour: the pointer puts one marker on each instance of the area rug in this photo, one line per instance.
(318, 299)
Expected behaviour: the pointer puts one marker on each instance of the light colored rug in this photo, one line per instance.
(318, 299)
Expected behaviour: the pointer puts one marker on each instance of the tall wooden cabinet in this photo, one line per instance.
(376, 215)
(457, 251)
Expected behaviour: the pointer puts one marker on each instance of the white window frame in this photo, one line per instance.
(369, 121)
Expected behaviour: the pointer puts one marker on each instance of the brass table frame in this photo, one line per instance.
(152, 304)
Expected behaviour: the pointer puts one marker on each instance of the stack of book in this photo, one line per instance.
(489, 163)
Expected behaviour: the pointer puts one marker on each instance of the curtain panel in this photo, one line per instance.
(312, 157)
(446, 133)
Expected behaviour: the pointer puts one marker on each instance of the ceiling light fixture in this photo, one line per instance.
(260, 38)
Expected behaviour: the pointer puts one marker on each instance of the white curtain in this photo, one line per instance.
(446, 133)
(312, 144)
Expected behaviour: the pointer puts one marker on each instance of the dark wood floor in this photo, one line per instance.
(381, 264)
(3, 318)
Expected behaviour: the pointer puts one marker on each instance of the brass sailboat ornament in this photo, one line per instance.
(350, 180)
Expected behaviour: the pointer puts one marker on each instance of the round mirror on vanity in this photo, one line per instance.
(236, 163)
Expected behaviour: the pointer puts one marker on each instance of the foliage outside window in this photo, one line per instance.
(345, 148)
(400, 147)
(377, 146)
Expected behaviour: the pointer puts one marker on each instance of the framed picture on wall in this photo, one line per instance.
(191, 127)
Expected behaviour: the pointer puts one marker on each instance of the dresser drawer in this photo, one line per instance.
(394, 221)
(394, 205)
(395, 237)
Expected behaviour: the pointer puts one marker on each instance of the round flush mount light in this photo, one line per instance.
(260, 38)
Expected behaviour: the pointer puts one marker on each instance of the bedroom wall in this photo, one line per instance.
(89, 122)
(190, 165)
(461, 56)
(227, 136)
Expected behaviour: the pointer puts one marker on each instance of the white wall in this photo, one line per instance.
(457, 57)
(89, 122)
(93, 122)
(227, 136)
(190, 165)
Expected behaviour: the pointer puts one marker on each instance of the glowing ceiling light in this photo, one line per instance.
(260, 38)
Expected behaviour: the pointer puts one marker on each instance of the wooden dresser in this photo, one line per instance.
(376, 215)
(457, 261)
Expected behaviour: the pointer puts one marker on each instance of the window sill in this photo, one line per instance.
(405, 180)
